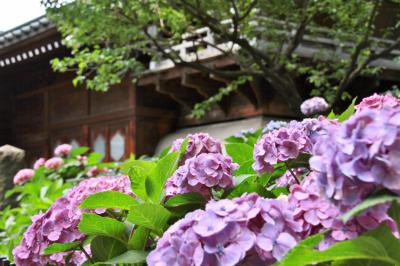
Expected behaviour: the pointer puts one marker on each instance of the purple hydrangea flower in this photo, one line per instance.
(377, 101)
(62, 150)
(201, 173)
(314, 105)
(59, 224)
(23, 175)
(359, 156)
(198, 143)
(281, 145)
(274, 124)
(229, 232)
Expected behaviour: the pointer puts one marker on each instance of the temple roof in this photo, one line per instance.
(25, 31)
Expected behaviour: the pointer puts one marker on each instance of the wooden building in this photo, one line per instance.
(41, 108)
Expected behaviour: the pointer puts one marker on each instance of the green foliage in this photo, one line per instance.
(95, 225)
(108, 200)
(104, 248)
(240, 152)
(368, 203)
(151, 216)
(378, 246)
(129, 257)
(147, 30)
(58, 247)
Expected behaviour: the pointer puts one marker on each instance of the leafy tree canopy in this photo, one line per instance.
(111, 38)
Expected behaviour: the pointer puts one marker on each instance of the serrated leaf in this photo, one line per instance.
(367, 203)
(164, 169)
(95, 225)
(245, 168)
(105, 248)
(61, 247)
(138, 171)
(348, 112)
(78, 151)
(183, 199)
(109, 200)
(129, 257)
(240, 152)
(139, 238)
(151, 216)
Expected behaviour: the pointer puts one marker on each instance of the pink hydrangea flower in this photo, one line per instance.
(281, 145)
(63, 150)
(201, 173)
(23, 175)
(39, 162)
(198, 143)
(59, 224)
(95, 171)
(377, 101)
(314, 105)
(53, 163)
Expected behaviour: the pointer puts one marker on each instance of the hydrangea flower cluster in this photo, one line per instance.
(200, 174)
(23, 175)
(39, 162)
(280, 145)
(314, 105)
(377, 101)
(229, 232)
(63, 150)
(53, 163)
(274, 124)
(59, 223)
(316, 213)
(359, 156)
(198, 143)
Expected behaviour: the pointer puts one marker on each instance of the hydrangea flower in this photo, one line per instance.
(359, 156)
(243, 133)
(377, 101)
(53, 163)
(23, 175)
(274, 124)
(201, 173)
(198, 143)
(95, 171)
(39, 162)
(280, 145)
(287, 179)
(63, 150)
(314, 105)
(229, 232)
(59, 223)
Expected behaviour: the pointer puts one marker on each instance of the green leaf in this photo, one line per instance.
(184, 145)
(348, 112)
(139, 238)
(164, 152)
(331, 115)
(149, 215)
(367, 203)
(109, 200)
(369, 247)
(92, 224)
(250, 184)
(184, 203)
(58, 247)
(94, 158)
(104, 248)
(233, 139)
(129, 257)
(385, 236)
(184, 199)
(138, 171)
(245, 168)
(78, 151)
(240, 152)
(394, 212)
(164, 169)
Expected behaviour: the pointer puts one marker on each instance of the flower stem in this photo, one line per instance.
(292, 173)
(86, 254)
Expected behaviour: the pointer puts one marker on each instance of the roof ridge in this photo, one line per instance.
(2, 33)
